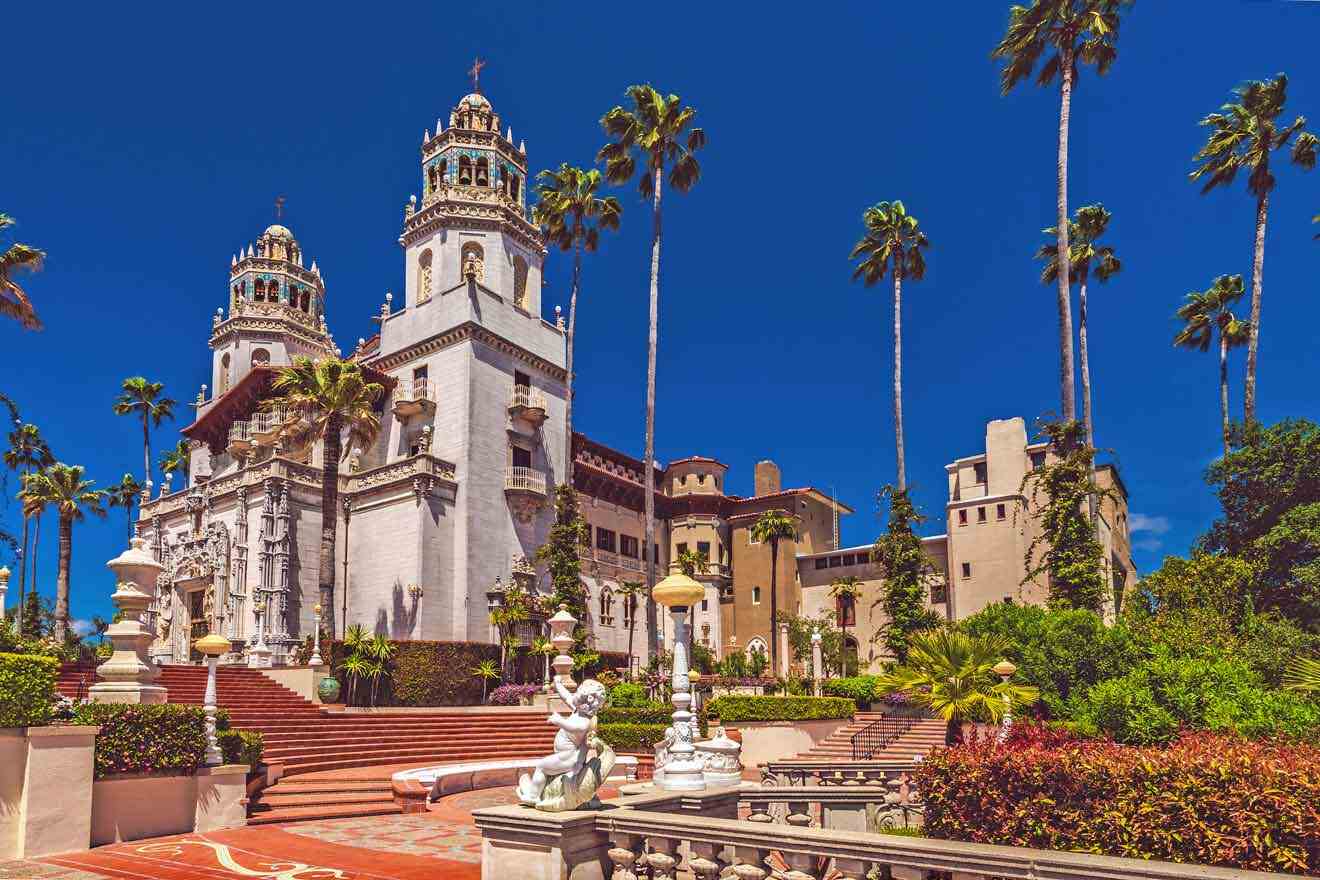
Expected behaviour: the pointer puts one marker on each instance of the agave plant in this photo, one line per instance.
(487, 671)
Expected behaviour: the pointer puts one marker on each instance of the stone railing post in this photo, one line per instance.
(128, 676)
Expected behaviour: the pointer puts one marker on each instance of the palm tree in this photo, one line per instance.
(144, 398)
(845, 590)
(175, 459)
(1303, 674)
(1242, 137)
(62, 487)
(952, 674)
(99, 628)
(660, 129)
(330, 395)
(1085, 254)
(893, 243)
(14, 302)
(123, 494)
(486, 671)
(631, 591)
(27, 451)
(572, 215)
(542, 647)
(1073, 32)
(1203, 314)
(771, 527)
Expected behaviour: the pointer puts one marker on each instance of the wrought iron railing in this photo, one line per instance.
(877, 735)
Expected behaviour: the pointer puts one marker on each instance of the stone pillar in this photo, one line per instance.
(46, 785)
(783, 650)
(129, 676)
(816, 664)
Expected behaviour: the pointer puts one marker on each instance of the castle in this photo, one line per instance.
(454, 496)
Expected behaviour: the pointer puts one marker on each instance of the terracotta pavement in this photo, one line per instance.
(441, 843)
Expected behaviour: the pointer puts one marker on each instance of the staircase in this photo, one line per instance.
(339, 763)
(924, 734)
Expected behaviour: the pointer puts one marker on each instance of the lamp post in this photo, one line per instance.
(316, 639)
(4, 587)
(682, 769)
(212, 646)
(815, 662)
(1005, 669)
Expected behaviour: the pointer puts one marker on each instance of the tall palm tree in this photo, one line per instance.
(1205, 312)
(332, 396)
(27, 452)
(845, 590)
(771, 527)
(1242, 137)
(176, 459)
(952, 674)
(658, 129)
(632, 592)
(1072, 32)
(14, 302)
(62, 487)
(572, 215)
(145, 399)
(893, 244)
(123, 494)
(1086, 255)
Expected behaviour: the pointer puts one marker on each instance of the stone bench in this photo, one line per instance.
(414, 789)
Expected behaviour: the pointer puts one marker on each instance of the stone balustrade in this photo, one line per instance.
(823, 773)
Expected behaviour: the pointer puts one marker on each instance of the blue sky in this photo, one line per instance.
(144, 147)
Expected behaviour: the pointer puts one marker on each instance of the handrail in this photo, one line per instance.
(877, 735)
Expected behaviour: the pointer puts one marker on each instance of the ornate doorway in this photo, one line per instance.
(198, 623)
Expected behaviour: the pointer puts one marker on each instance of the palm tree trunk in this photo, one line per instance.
(22, 575)
(648, 478)
(62, 581)
(36, 542)
(572, 324)
(1223, 388)
(1091, 500)
(330, 449)
(1253, 341)
(632, 626)
(146, 449)
(1067, 384)
(898, 375)
(774, 609)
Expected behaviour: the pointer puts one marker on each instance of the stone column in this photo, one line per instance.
(816, 663)
(783, 650)
(129, 676)
(4, 586)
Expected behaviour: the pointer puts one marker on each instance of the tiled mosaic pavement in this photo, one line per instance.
(419, 834)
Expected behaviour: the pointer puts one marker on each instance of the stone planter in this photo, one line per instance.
(45, 790)
(134, 807)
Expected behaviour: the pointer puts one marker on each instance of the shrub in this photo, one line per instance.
(27, 686)
(146, 739)
(425, 673)
(652, 713)
(859, 688)
(632, 737)
(1206, 799)
(242, 747)
(627, 695)
(512, 694)
(733, 708)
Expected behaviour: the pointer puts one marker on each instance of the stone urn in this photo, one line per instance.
(328, 690)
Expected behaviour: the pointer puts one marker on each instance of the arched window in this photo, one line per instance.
(443, 173)
(224, 373)
(850, 656)
(513, 186)
(260, 357)
(465, 170)
(258, 291)
(756, 645)
(306, 304)
(606, 605)
(424, 276)
(472, 261)
(520, 282)
(483, 172)
(431, 179)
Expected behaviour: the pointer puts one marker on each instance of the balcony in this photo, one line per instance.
(266, 427)
(240, 438)
(527, 404)
(525, 490)
(412, 397)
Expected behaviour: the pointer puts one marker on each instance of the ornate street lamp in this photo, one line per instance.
(1005, 669)
(682, 769)
(212, 646)
(316, 639)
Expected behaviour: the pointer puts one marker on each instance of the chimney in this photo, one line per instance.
(767, 478)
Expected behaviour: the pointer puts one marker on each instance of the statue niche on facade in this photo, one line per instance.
(570, 778)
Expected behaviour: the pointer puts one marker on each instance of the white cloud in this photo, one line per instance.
(82, 628)
(1156, 525)
(1150, 545)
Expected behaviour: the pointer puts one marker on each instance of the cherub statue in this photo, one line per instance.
(558, 781)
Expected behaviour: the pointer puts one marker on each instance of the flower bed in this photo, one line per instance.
(512, 694)
(146, 739)
(27, 684)
(1206, 799)
(733, 708)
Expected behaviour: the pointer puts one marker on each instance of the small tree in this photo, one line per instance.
(904, 565)
(515, 609)
(631, 593)
(845, 591)
(560, 553)
(486, 671)
(692, 563)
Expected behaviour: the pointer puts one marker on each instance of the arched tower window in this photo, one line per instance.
(431, 179)
(224, 373)
(258, 291)
(306, 304)
(465, 170)
(260, 357)
(472, 262)
(443, 173)
(483, 172)
(520, 282)
(424, 276)
(513, 186)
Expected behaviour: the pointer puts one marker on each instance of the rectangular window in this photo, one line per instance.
(1037, 460)
(979, 470)
(419, 374)
(705, 604)
(966, 569)
(849, 559)
(962, 517)
(604, 539)
(521, 379)
(655, 553)
(751, 539)
(628, 546)
(939, 594)
(822, 562)
(703, 550)
(980, 514)
(846, 611)
(756, 595)
(836, 561)
(520, 457)
(680, 549)
(1001, 511)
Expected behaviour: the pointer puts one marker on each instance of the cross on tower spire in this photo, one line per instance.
(279, 207)
(475, 73)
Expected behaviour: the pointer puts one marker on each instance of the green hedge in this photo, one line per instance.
(423, 674)
(146, 739)
(858, 688)
(733, 708)
(242, 747)
(27, 686)
(632, 737)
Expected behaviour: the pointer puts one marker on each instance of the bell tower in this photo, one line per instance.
(472, 221)
(276, 310)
